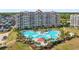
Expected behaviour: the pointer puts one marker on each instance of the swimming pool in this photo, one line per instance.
(53, 34)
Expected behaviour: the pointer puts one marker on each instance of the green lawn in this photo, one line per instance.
(12, 35)
(2, 32)
(16, 45)
(72, 30)
(69, 45)
(73, 44)
(19, 46)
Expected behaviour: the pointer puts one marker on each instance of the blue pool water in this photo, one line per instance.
(46, 35)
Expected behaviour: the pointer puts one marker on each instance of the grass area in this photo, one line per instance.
(13, 45)
(2, 32)
(12, 35)
(69, 45)
(72, 30)
(73, 44)
(19, 46)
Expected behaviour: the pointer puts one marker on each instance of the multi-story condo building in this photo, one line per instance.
(6, 22)
(74, 20)
(36, 19)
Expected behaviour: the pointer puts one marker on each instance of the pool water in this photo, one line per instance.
(53, 35)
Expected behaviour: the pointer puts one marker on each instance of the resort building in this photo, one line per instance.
(6, 22)
(74, 20)
(36, 19)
